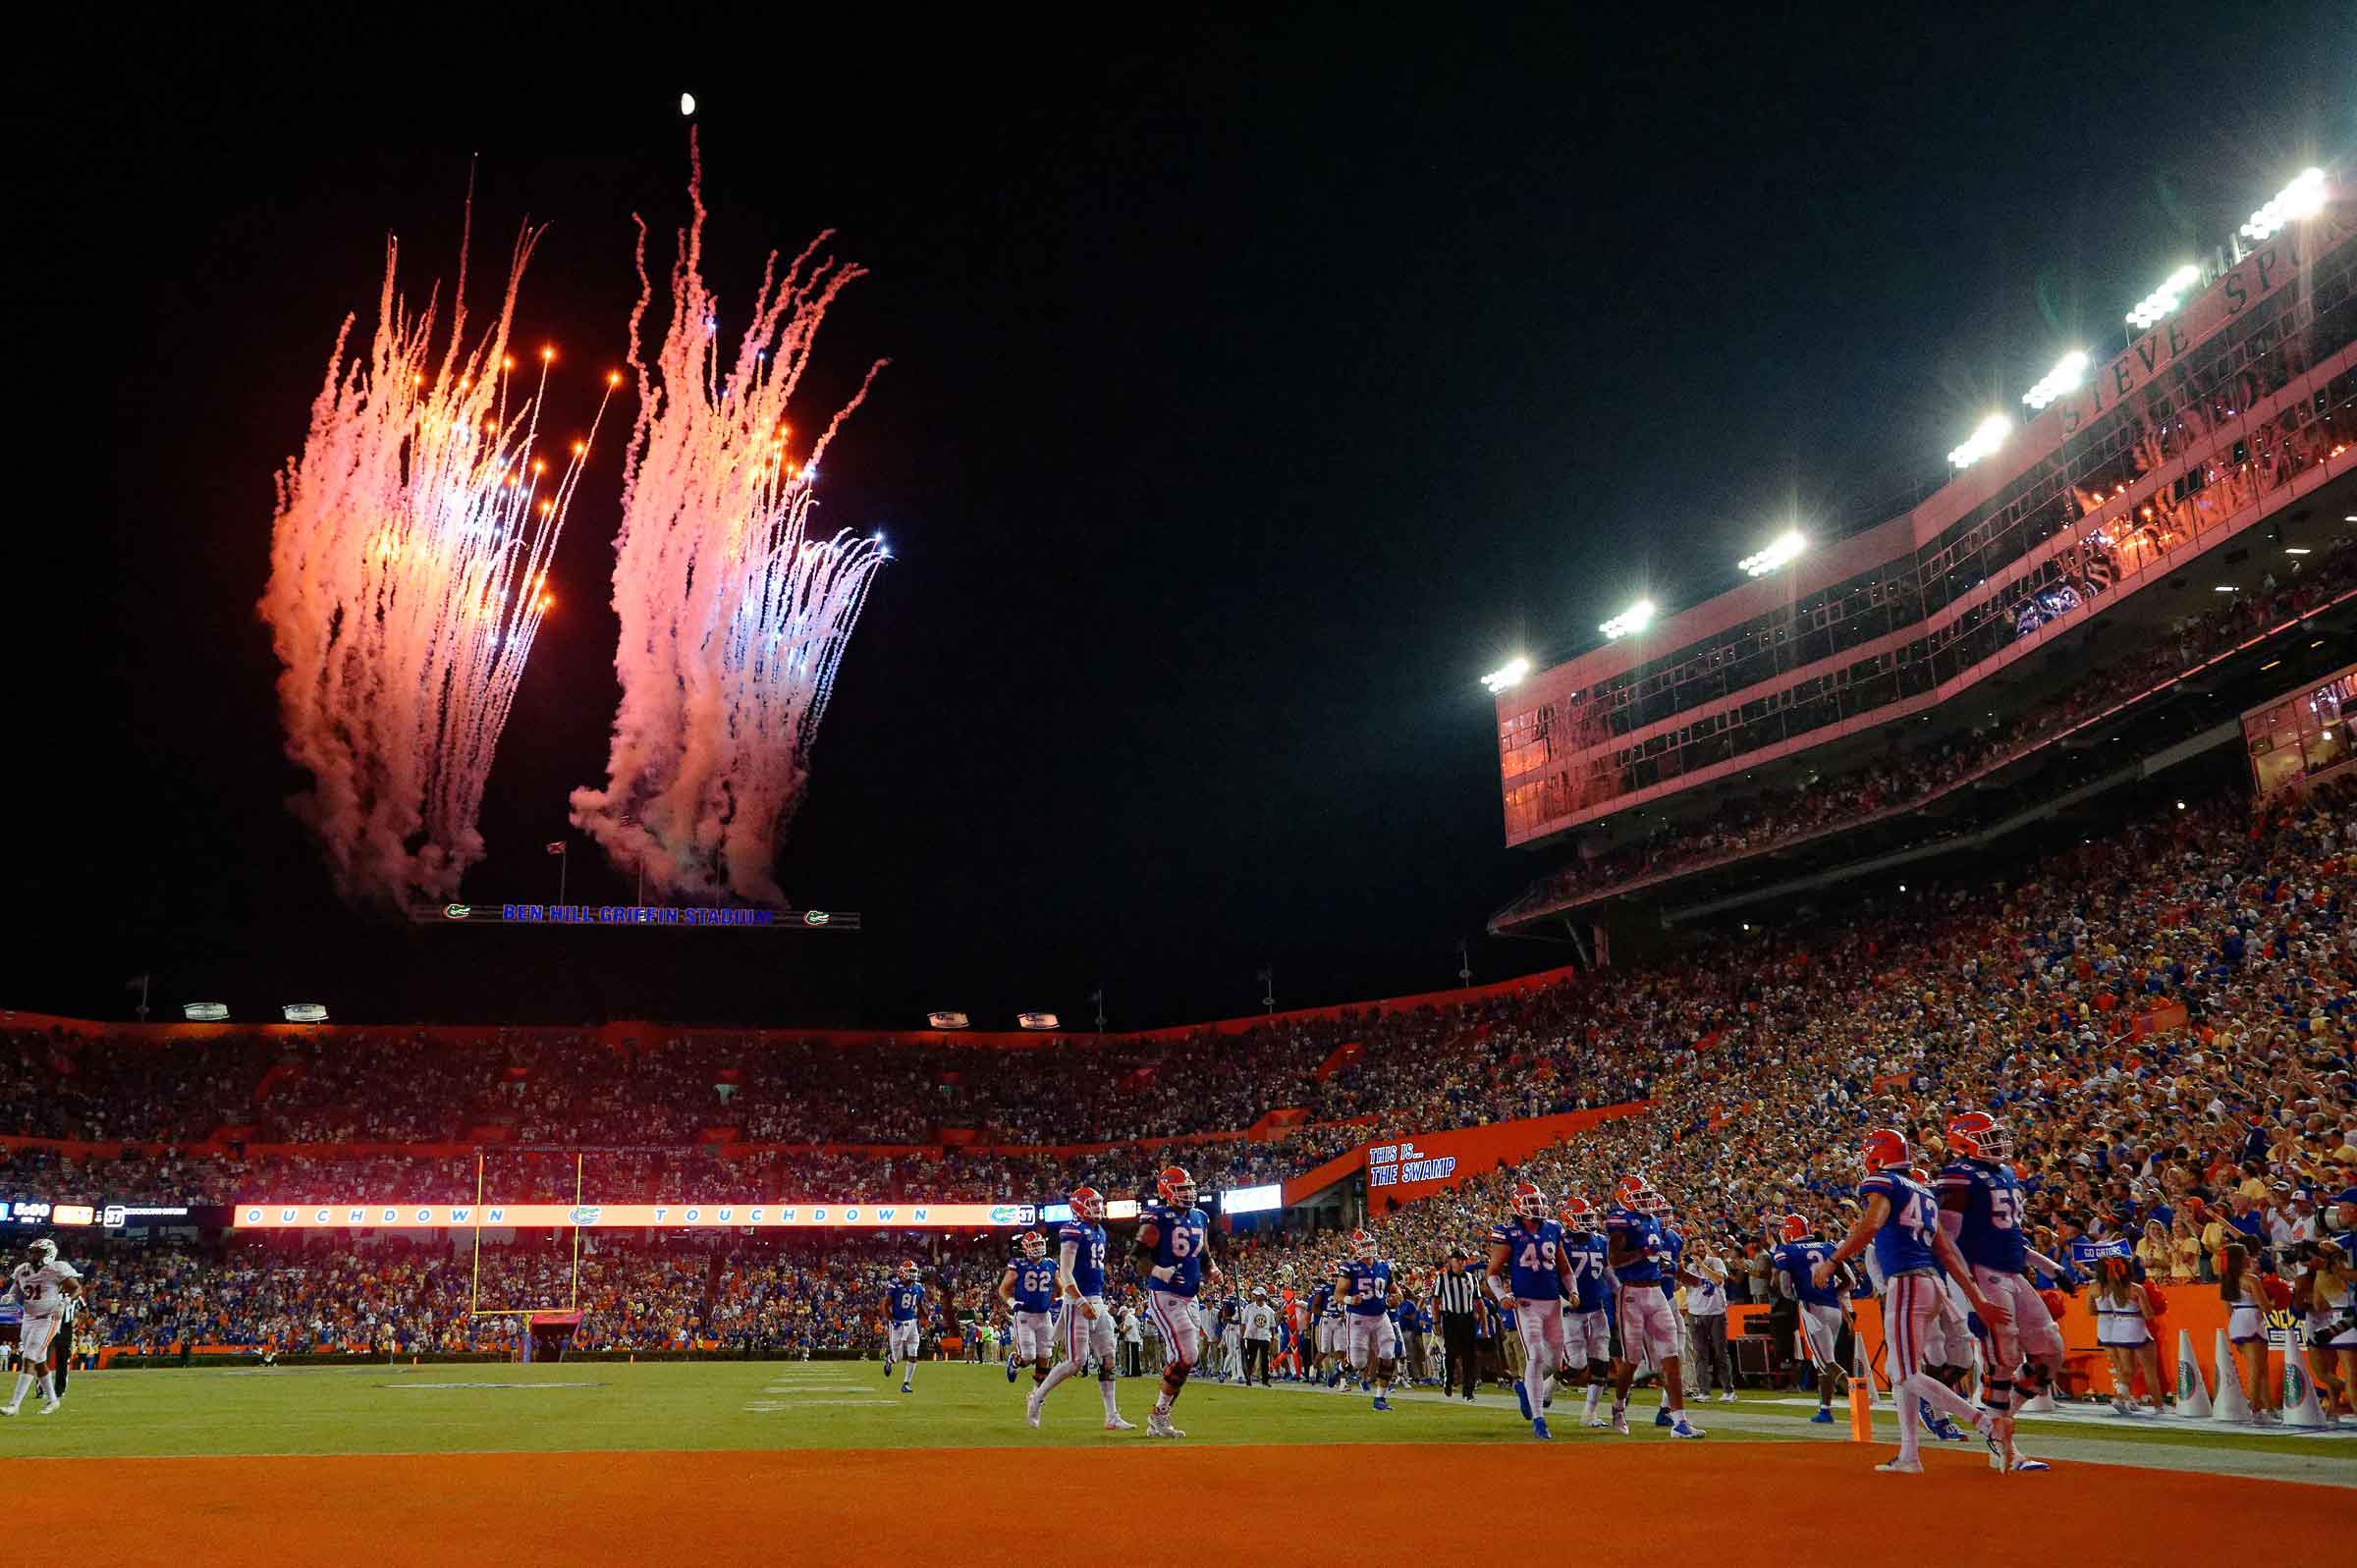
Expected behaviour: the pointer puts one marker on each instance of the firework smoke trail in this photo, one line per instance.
(408, 566)
(734, 613)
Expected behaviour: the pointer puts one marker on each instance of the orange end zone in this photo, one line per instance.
(978, 1506)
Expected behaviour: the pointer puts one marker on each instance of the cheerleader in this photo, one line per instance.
(2246, 1331)
(2123, 1328)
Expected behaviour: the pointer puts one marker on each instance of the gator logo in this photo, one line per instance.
(815, 917)
(1012, 1213)
(586, 1215)
(456, 911)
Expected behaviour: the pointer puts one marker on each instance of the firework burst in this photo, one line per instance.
(409, 576)
(735, 611)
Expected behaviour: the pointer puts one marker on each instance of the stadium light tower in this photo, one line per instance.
(1782, 553)
(1636, 618)
(1986, 436)
(2069, 372)
(2164, 302)
(2304, 197)
(1508, 673)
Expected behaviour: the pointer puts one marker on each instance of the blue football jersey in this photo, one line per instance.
(1367, 1286)
(1800, 1258)
(1181, 1239)
(1034, 1283)
(1673, 1258)
(1587, 1253)
(1087, 1241)
(903, 1301)
(1642, 1236)
(1904, 1241)
(1992, 1210)
(1532, 1257)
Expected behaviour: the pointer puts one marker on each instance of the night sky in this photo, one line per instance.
(1254, 390)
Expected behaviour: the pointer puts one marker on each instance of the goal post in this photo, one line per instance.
(573, 1293)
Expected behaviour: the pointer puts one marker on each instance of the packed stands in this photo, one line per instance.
(2165, 1016)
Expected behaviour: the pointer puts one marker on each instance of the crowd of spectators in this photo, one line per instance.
(2052, 998)
(1745, 824)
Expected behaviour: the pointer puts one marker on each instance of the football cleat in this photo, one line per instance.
(905, 1388)
(50, 1409)
(2023, 1463)
(1381, 1403)
(1087, 1203)
(1598, 1423)
(1159, 1426)
(1728, 1398)
(1010, 1370)
(1900, 1467)
(1948, 1431)
(1177, 1189)
(1823, 1418)
(1116, 1423)
(1031, 1410)
(1683, 1428)
(1661, 1417)
(1882, 1149)
(1978, 1135)
(1538, 1430)
(1999, 1440)
(1528, 1201)
(1620, 1421)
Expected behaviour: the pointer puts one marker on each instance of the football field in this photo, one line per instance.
(599, 1461)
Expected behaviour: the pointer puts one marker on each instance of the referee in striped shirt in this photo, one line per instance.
(1453, 1300)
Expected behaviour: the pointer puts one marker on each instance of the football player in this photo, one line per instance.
(1901, 1224)
(1530, 1274)
(1982, 1207)
(904, 1302)
(1174, 1240)
(1369, 1295)
(1638, 1256)
(1797, 1254)
(1587, 1328)
(1027, 1289)
(41, 1285)
(1088, 1333)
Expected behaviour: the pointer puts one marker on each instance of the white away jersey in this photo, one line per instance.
(38, 1288)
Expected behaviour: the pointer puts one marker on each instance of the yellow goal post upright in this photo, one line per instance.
(475, 1293)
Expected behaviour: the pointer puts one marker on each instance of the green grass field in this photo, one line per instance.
(379, 1409)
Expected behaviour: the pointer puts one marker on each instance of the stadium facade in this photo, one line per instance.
(2211, 454)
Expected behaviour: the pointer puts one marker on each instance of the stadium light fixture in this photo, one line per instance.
(1636, 618)
(304, 1012)
(2069, 372)
(1786, 549)
(2165, 301)
(1986, 436)
(2304, 197)
(1508, 673)
(204, 1012)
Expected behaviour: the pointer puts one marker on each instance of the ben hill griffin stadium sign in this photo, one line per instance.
(588, 914)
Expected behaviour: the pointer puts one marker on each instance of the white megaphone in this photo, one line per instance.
(2193, 1395)
(2231, 1404)
(2300, 1406)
